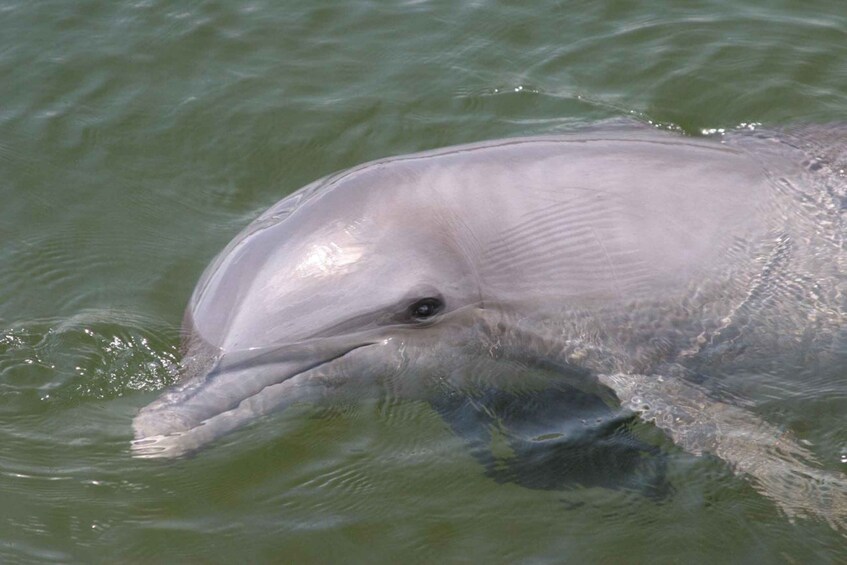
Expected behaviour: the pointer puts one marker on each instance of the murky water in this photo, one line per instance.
(137, 138)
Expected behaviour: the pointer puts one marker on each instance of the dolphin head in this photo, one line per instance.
(332, 295)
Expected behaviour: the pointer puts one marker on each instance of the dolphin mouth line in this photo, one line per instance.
(188, 437)
(215, 374)
(212, 404)
(293, 375)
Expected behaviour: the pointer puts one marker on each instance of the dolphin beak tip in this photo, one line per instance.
(157, 447)
(158, 434)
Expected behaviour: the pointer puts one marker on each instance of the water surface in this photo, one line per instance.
(136, 138)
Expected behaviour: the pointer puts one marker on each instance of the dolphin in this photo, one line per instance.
(629, 262)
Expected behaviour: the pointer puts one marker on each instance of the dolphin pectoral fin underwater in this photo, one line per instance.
(614, 251)
(780, 468)
(777, 465)
(554, 438)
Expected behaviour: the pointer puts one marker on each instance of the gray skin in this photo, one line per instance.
(627, 258)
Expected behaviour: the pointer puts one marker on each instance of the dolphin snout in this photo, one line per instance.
(238, 387)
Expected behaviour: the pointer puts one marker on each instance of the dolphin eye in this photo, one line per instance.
(425, 308)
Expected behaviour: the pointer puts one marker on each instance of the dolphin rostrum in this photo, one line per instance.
(634, 261)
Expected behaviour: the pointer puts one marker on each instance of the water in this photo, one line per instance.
(137, 138)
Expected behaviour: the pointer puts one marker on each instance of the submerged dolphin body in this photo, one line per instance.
(625, 258)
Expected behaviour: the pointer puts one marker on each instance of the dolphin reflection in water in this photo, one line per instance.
(627, 262)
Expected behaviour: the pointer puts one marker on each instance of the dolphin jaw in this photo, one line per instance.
(183, 418)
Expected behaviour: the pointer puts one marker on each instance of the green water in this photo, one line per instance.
(136, 138)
